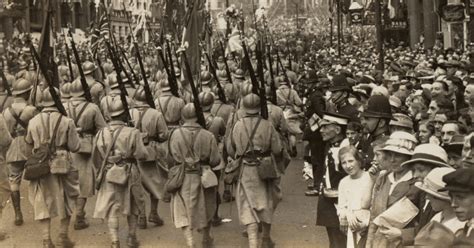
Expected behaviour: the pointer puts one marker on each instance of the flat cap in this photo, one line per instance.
(461, 180)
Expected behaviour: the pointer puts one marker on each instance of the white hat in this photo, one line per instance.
(400, 142)
(433, 182)
(431, 154)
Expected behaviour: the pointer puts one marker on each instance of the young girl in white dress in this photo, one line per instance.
(354, 196)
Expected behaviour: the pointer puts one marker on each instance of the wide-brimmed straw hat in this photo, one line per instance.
(430, 154)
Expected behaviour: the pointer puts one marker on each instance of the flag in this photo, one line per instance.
(194, 28)
(46, 51)
(100, 33)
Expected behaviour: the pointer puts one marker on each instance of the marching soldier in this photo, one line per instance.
(120, 191)
(97, 89)
(206, 81)
(88, 120)
(54, 193)
(216, 126)
(169, 105)
(193, 205)
(17, 118)
(114, 95)
(254, 139)
(151, 123)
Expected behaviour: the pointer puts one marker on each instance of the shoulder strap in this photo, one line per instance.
(163, 110)
(17, 117)
(3, 102)
(140, 119)
(188, 144)
(218, 108)
(254, 130)
(76, 119)
(52, 143)
(111, 145)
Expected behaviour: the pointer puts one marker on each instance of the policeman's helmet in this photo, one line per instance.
(251, 103)
(378, 107)
(206, 99)
(21, 86)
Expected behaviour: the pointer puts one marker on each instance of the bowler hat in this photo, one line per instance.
(378, 107)
(339, 83)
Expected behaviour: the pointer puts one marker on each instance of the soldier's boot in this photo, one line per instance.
(227, 195)
(207, 240)
(267, 241)
(81, 221)
(153, 217)
(132, 240)
(47, 243)
(142, 221)
(64, 241)
(167, 197)
(115, 244)
(216, 220)
(15, 195)
(252, 232)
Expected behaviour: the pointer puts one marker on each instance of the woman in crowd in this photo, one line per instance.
(467, 151)
(425, 131)
(440, 231)
(354, 197)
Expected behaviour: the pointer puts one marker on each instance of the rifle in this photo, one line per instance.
(283, 68)
(146, 86)
(52, 91)
(263, 98)
(227, 70)
(199, 113)
(134, 75)
(220, 90)
(273, 98)
(68, 57)
(174, 81)
(85, 86)
(123, 91)
(6, 86)
(253, 78)
(174, 90)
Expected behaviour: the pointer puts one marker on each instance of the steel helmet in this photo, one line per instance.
(140, 94)
(165, 85)
(76, 89)
(246, 89)
(205, 77)
(251, 103)
(116, 107)
(113, 82)
(188, 112)
(46, 98)
(88, 67)
(21, 86)
(65, 90)
(206, 99)
(239, 74)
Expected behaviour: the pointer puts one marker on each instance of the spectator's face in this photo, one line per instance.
(454, 160)
(438, 123)
(437, 204)
(433, 109)
(329, 131)
(424, 134)
(369, 123)
(468, 92)
(448, 131)
(467, 152)
(463, 205)
(402, 92)
(352, 135)
(350, 165)
(437, 90)
(420, 170)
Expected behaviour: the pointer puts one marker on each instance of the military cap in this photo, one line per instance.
(455, 145)
(251, 103)
(21, 86)
(334, 118)
(460, 180)
(378, 107)
(430, 154)
(339, 83)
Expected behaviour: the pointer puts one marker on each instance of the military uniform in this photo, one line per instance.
(5, 101)
(170, 106)
(193, 205)
(222, 110)
(53, 195)
(5, 141)
(107, 100)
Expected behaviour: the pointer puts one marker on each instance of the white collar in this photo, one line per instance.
(408, 176)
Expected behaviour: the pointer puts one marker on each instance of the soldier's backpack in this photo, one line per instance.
(37, 165)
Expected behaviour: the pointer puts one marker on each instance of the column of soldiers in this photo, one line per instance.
(125, 155)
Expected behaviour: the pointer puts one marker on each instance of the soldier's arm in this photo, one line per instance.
(214, 157)
(99, 119)
(5, 137)
(139, 149)
(162, 128)
(275, 144)
(73, 141)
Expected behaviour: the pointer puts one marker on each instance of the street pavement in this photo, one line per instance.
(294, 223)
